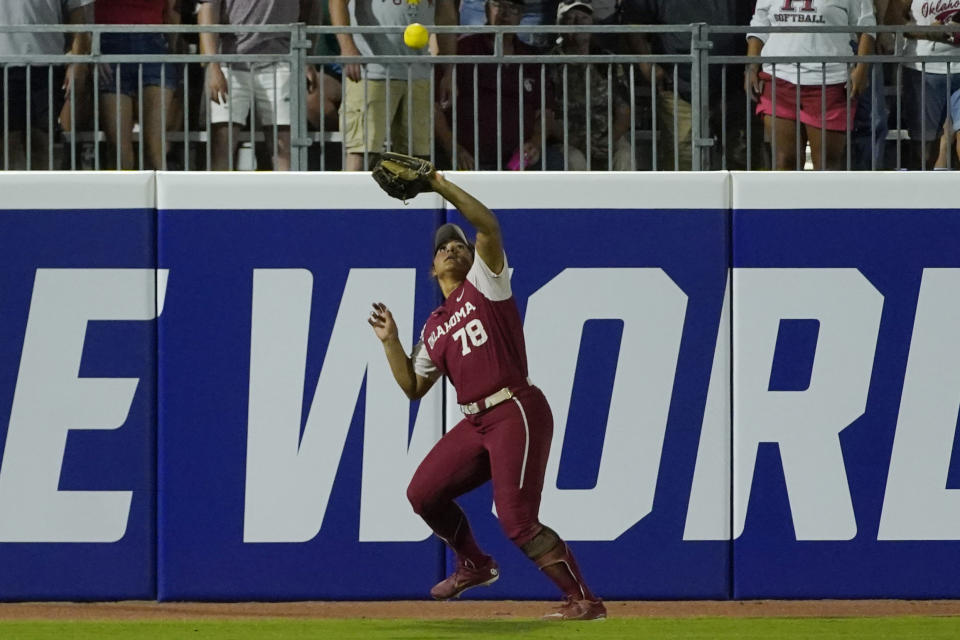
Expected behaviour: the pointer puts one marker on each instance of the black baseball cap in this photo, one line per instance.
(449, 232)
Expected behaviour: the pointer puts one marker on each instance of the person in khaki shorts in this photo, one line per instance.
(384, 104)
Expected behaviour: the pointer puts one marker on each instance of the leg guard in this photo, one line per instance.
(541, 544)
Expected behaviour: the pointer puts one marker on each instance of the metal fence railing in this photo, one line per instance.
(542, 110)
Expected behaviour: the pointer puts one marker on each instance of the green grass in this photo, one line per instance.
(620, 629)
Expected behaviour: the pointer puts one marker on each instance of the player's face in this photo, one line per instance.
(453, 258)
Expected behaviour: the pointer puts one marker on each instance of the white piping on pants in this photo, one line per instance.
(455, 531)
(574, 576)
(526, 441)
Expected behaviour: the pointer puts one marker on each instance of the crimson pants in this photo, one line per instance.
(508, 444)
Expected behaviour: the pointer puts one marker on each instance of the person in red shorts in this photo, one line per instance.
(121, 84)
(827, 93)
(475, 338)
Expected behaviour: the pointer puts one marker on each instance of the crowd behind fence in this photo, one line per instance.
(547, 110)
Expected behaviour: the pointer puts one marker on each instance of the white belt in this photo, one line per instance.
(491, 400)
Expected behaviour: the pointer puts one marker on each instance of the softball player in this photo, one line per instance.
(476, 339)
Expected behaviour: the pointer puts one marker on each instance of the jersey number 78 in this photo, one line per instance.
(474, 331)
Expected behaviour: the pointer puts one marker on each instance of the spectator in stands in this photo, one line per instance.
(493, 148)
(675, 148)
(593, 153)
(120, 83)
(949, 157)
(371, 124)
(323, 101)
(607, 12)
(537, 13)
(818, 83)
(258, 91)
(324, 107)
(869, 137)
(543, 12)
(925, 84)
(473, 12)
(35, 87)
(955, 115)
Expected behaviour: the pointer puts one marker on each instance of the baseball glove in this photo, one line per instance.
(402, 176)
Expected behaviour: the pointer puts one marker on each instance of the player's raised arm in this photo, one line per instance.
(489, 242)
(403, 177)
(401, 365)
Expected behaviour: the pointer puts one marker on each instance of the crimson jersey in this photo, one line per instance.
(475, 337)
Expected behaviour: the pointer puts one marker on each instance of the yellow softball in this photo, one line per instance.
(416, 36)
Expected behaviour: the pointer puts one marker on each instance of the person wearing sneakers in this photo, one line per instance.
(475, 338)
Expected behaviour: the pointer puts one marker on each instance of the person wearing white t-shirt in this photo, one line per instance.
(35, 93)
(927, 85)
(818, 84)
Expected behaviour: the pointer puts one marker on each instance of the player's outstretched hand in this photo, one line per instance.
(382, 322)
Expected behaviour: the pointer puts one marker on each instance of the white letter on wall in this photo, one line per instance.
(708, 512)
(652, 309)
(917, 505)
(50, 400)
(806, 424)
(289, 478)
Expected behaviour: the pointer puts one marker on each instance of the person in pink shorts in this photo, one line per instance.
(475, 338)
(822, 96)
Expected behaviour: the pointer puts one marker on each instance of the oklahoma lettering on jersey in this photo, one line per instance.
(475, 337)
(941, 10)
(925, 12)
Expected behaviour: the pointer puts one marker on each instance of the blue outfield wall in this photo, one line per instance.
(284, 452)
(192, 406)
(846, 316)
(78, 358)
